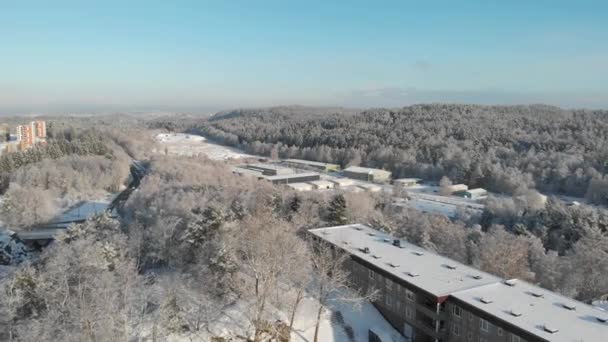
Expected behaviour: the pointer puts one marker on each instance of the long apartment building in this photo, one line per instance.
(428, 297)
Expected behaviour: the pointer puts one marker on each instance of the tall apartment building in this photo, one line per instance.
(30, 134)
(25, 135)
(428, 297)
(39, 128)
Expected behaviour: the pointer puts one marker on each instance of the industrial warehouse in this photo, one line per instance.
(428, 297)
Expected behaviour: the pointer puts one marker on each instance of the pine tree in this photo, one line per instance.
(336, 213)
(204, 226)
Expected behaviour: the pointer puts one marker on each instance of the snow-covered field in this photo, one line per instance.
(195, 145)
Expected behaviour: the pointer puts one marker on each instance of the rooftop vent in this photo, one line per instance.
(392, 264)
(569, 306)
(418, 253)
(412, 274)
(365, 250)
(602, 319)
(345, 242)
(511, 282)
(485, 300)
(397, 243)
(376, 256)
(537, 294)
(515, 313)
(550, 329)
(387, 240)
(325, 232)
(477, 276)
(452, 267)
(358, 228)
(371, 234)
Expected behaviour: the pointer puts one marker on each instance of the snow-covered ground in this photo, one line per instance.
(84, 210)
(194, 145)
(359, 320)
(353, 326)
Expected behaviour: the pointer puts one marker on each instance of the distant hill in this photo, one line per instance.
(283, 111)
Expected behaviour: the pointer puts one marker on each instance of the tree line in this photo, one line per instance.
(506, 149)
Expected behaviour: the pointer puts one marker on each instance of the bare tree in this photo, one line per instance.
(264, 247)
(332, 281)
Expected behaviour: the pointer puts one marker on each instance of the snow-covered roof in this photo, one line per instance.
(342, 181)
(293, 175)
(360, 169)
(478, 191)
(407, 180)
(433, 275)
(533, 309)
(540, 312)
(268, 167)
(309, 162)
(322, 184)
(300, 186)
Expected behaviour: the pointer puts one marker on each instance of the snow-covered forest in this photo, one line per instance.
(200, 254)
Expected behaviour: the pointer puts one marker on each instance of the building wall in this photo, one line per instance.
(411, 311)
(358, 175)
(296, 179)
(381, 176)
(401, 306)
(39, 129)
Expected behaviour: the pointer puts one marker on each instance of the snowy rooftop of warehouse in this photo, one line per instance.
(308, 162)
(533, 309)
(435, 274)
(293, 175)
(263, 166)
(362, 169)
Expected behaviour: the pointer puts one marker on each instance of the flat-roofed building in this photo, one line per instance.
(322, 184)
(370, 187)
(450, 189)
(294, 178)
(301, 186)
(407, 182)
(247, 172)
(367, 174)
(428, 297)
(270, 169)
(312, 165)
(342, 182)
(472, 193)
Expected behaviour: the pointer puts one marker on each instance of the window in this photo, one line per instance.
(389, 301)
(515, 338)
(456, 330)
(457, 311)
(409, 295)
(372, 274)
(471, 316)
(484, 325)
(389, 284)
(397, 305)
(409, 312)
(499, 331)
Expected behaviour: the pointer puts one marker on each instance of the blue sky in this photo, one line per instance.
(222, 54)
